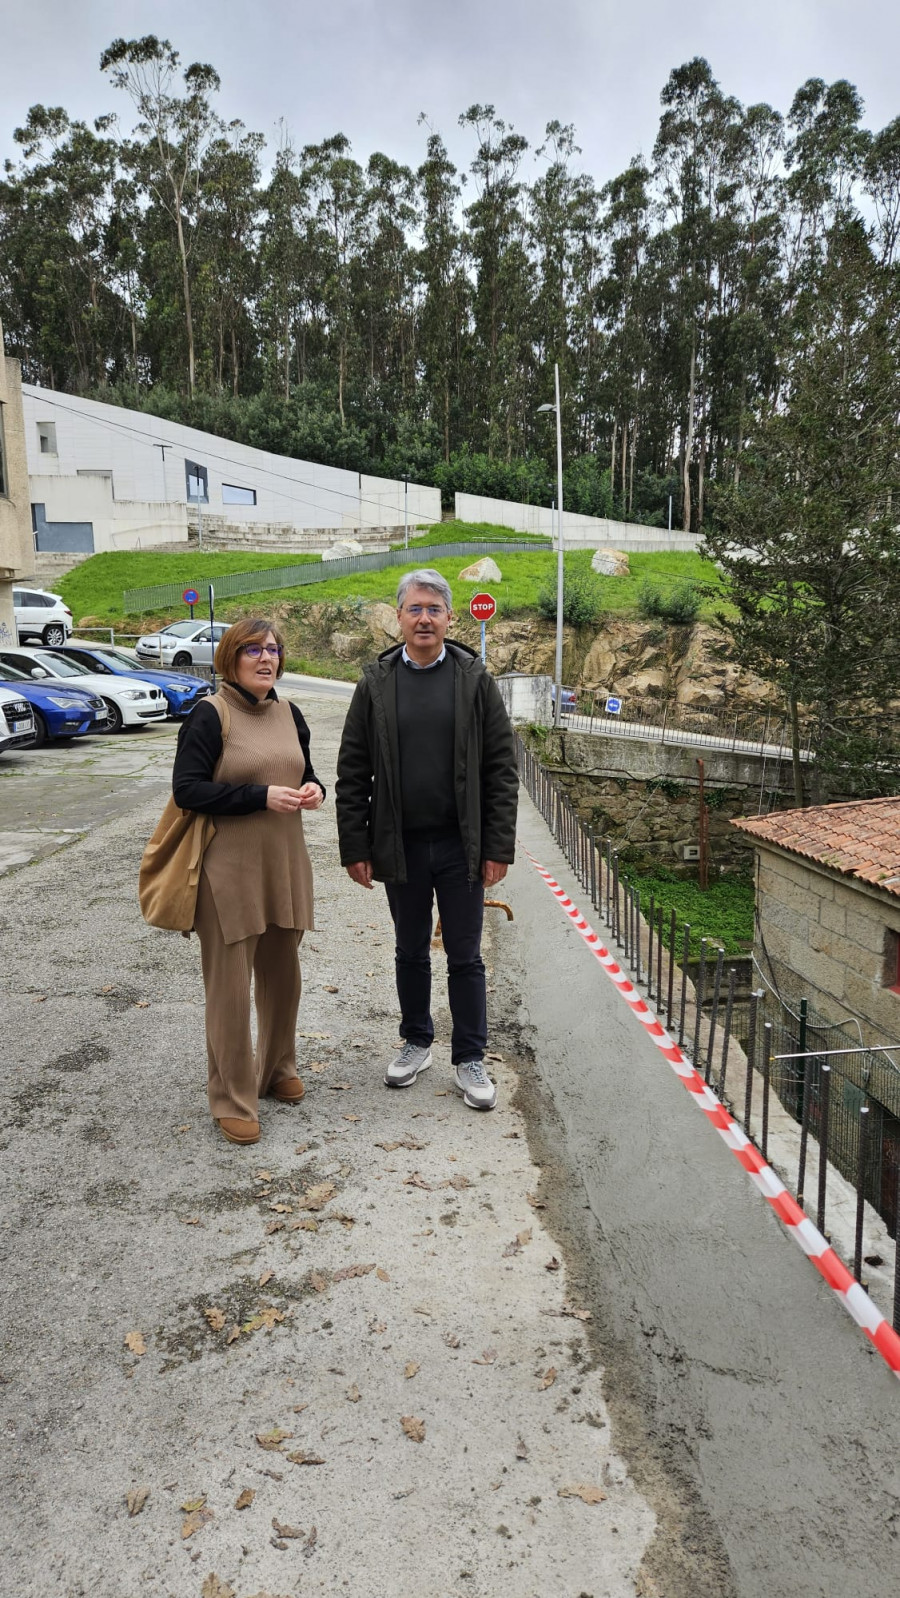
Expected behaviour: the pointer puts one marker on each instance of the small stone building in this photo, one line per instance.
(828, 909)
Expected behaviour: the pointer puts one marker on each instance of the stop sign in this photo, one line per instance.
(483, 606)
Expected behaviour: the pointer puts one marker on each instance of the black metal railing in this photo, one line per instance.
(845, 1100)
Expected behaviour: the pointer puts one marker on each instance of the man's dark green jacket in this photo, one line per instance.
(369, 808)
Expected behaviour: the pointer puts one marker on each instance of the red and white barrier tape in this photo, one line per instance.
(817, 1248)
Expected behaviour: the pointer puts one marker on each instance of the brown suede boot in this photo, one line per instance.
(239, 1131)
(289, 1090)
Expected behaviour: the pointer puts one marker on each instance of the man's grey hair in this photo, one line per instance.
(427, 578)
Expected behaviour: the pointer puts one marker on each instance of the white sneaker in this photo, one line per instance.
(405, 1067)
(475, 1085)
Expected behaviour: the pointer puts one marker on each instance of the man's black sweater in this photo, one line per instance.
(425, 726)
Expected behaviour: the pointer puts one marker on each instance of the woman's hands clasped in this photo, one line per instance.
(284, 800)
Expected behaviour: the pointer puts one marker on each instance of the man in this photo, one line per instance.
(426, 796)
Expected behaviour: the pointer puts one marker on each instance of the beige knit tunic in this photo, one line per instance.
(257, 865)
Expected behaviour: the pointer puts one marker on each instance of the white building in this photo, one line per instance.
(105, 478)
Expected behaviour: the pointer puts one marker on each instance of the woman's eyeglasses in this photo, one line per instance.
(253, 651)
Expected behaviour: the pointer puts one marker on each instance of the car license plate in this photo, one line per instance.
(21, 726)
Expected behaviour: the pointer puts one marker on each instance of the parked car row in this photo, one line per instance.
(80, 688)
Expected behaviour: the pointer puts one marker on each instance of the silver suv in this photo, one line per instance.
(42, 615)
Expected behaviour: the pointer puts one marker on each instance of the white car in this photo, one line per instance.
(130, 702)
(181, 645)
(16, 720)
(42, 615)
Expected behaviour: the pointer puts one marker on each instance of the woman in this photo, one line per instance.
(255, 899)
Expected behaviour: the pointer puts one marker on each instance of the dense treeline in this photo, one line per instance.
(408, 321)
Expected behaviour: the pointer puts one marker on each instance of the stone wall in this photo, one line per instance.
(646, 794)
(832, 939)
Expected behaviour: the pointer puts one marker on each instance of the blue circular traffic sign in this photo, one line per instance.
(191, 597)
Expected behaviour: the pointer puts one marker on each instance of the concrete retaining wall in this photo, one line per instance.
(585, 532)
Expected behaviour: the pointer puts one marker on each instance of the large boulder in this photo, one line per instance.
(347, 546)
(610, 563)
(381, 620)
(482, 571)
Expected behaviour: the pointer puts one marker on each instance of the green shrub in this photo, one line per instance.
(582, 598)
(680, 605)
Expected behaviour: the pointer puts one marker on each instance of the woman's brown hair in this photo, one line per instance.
(252, 630)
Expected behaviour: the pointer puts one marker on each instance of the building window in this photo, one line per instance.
(4, 480)
(232, 495)
(197, 481)
(47, 437)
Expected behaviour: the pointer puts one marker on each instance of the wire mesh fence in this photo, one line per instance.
(791, 1068)
(765, 731)
(161, 596)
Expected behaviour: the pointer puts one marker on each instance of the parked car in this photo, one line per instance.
(568, 700)
(181, 691)
(129, 703)
(16, 720)
(181, 644)
(42, 615)
(59, 711)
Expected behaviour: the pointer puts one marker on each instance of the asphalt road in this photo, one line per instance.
(744, 1434)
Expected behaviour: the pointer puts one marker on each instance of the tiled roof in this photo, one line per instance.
(862, 839)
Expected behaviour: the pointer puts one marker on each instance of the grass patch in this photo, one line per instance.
(723, 913)
(473, 533)
(95, 587)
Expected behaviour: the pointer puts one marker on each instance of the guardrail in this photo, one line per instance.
(796, 1079)
(162, 595)
(764, 732)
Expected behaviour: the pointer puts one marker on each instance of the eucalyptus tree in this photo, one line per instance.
(336, 232)
(227, 253)
(174, 134)
(881, 181)
(446, 292)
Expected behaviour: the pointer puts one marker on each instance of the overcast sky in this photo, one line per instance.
(368, 67)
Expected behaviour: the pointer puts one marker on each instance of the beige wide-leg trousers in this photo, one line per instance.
(238, 1077)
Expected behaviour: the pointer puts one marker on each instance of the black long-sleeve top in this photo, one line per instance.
(199, 748)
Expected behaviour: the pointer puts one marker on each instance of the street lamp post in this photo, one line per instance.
(559, 549)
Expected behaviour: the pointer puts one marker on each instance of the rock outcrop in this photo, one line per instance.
(482, 571)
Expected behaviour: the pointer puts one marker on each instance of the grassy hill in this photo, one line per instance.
(94, 589)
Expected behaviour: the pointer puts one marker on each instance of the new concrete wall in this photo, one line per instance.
(594, 532)
(832, 939)
(87, 501)
(146, 457)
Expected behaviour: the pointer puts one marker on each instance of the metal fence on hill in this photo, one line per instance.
(161, 596)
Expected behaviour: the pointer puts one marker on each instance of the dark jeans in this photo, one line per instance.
(436, 866)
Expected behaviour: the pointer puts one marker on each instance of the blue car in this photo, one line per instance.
(182, 692)
(59, 711)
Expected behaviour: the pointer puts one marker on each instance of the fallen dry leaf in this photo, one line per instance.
(488, 1355)
(245, 1499)
(330, 989)
(263, 1176)
(142, 1004)
(491, 1054)
(514, 1247)
(451, 1339)
(213, 1587)
(353, 1394)
(521, 1449)
(417, 1180)
(318, 1037)
(233, 1335)
(272, 1440)
(552, 1264)
(281, 1209)
(216, 1318)
(317, 1281)
(268, 1316)
(265, 1277)
(347, 1271)
(413, 1427)
(316, 1196)
(301, 1148)
(190, 1220)
(276, 1226)
(286, 1531)
(309, 1547)
(191, 1505)
(299, 1408)
(377, 1326)
(548, 1378)
(512, 1134)
(134, 1341)
(576, 1314)
(306, 1225)
(411, 1370)
(382, 1275)
(301, 1457)
(536, 1203)
(460, 1182)
(352, 1117)
(523, 1238)
(340, 1087)
(136, 1499)
(317, 1066)
(401, 1143)
(587, 1494)
(195, 1522)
